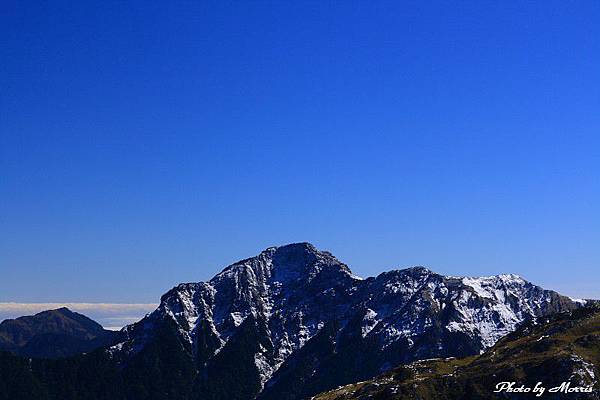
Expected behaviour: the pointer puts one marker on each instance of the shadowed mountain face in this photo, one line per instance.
(53, 334)
(562, 348)
(292, 322)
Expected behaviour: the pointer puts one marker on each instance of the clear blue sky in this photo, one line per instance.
(146, 144)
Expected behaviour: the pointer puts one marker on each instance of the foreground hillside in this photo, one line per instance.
(562, 348)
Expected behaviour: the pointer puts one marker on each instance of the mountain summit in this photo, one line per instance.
(280, 325)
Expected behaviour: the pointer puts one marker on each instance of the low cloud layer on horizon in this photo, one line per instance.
(109, 315)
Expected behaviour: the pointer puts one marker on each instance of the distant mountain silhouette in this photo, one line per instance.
(53, 334)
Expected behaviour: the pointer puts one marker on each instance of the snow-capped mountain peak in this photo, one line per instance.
(293, 304)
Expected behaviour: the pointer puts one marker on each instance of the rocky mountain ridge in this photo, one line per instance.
(292, 315)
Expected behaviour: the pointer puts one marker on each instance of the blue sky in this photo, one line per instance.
(146, 144)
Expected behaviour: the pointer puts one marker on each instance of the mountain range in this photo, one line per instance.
(288, 324)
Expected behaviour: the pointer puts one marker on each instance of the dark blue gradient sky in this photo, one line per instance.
(144, 144)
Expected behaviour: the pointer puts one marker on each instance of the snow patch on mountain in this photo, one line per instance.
(369, 322)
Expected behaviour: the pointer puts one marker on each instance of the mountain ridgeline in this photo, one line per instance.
(288, 324)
